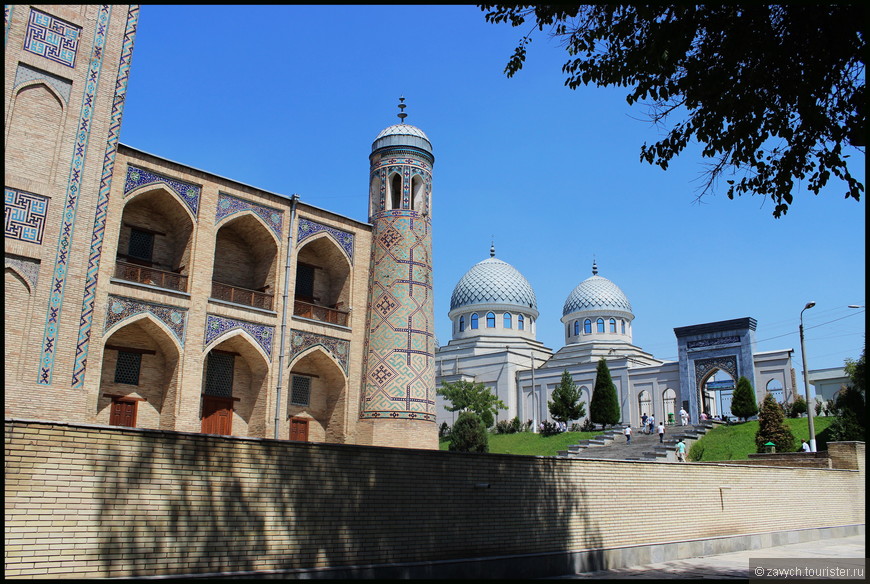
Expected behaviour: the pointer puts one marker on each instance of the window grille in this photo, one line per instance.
(127, 368)
(305, 282)
(219, 374)
(300, 390)
(141, 244)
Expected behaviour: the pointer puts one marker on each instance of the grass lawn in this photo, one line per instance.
(737, 441)
(531, 443)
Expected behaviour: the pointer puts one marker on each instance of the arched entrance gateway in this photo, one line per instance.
(712, 357)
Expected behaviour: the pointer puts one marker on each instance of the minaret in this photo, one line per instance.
(397, 401)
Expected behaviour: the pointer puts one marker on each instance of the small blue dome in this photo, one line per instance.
(402, 135)
(493, 281)
(596, 293)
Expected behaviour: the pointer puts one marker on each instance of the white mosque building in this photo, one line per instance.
(493, 310)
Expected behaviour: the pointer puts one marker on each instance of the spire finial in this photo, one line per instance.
(492, 249)
(402, 106)
(594, 267)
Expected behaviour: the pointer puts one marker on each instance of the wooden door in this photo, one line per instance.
(123, 413)
(217, 415)
(299, 429)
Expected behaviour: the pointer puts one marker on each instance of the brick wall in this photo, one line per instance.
(90, 501)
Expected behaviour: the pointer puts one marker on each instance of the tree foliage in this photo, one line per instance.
(850, 405)
(798, 407)
(743, 403)
(469, 396)
(772, 428)
(469, 434)
(604, 405)
(566, 404)
(773, 93)
(855, 371)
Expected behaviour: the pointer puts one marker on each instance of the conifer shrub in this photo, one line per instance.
(772, 428)
(798, 407)
(469, 434)
(604, 405)
(743, 404)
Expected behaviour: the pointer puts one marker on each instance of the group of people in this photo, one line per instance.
(648, 423)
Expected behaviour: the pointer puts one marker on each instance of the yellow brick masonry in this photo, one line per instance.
(105, 502)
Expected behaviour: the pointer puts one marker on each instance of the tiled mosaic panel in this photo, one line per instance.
(307, 228)
(301, 341)
(726, 363)
(25, 215)
(101, 212)
(120, 309)
(27, 267)
(216, 326)
(25, 73)
(400, 378)
(139, 177)
(228, 205)
(79, 155)
(52, 38)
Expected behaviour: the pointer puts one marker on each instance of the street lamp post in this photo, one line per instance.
(806, 381)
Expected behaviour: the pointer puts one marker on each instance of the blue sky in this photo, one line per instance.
(290, 98)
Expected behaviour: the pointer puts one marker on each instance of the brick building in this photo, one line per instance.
(143, 292)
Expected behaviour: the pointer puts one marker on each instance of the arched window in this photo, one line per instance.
(587, 327)
(474, 320)
(417, 192)
(623, 326)
(461, 323)
(576, 327)
(490, 320)
(774, 387)
(600, 323)
(507, 322)
(613, 325)
(396, 191)
(521, 322)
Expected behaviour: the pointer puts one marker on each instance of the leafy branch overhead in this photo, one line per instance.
(773, 93)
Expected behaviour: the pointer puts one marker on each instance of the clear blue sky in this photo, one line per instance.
(290, 98)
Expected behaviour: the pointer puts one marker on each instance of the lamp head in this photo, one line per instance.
(809, 305)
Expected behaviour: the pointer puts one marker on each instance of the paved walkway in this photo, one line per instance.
(737, 564)
(620, 450)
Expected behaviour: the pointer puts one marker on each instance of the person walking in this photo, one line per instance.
(684, 417)
(643, 423)
(661, 433)
(627, 433)
(681, 451)
(652, 423)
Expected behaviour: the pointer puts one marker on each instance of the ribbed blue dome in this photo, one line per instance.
(493, 281)
(596, 293)
(402, 135)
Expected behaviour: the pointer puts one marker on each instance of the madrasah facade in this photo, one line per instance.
(146, 293)
(143, 292)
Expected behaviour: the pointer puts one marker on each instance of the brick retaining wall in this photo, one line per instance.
(89, 501)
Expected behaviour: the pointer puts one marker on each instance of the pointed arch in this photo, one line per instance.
(262, 358)
(302, 355)
(153, 320)
(158, 188)
(248, 213)
(27, 141)
(394, 188)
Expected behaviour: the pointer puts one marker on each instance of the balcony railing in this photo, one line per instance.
(321, 313)
(152, 276)
(254, 298)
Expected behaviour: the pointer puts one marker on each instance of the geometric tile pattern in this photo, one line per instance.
(406, 167)
(216, 326)
(120, 308)
(25, 215)
(399, 349)
(52, 38)
(301, 341)
(138, 177)
(307, 228)
(703, 367)
(712, 342)
(228, 205)
(25, 73)
(101, 213)
(26, 267)
(493, 281)
(80, 148)
(596, 293)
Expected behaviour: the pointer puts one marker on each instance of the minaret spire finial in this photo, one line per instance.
(594, 267)
(402, 106)
(492, 249)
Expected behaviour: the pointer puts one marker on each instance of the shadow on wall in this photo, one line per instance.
(194, 504)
